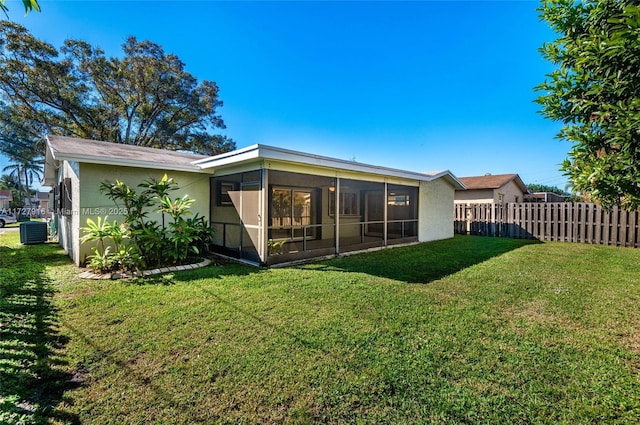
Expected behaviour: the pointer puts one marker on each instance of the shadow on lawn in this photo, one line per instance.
(32, 370)
(426, 262)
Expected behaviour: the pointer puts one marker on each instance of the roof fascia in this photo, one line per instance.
(278, 154)
(90, 159)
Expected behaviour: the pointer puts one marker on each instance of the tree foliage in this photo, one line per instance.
(29, 5)
(143, 98)
(536, 187)
(22, 145)
(595, 92)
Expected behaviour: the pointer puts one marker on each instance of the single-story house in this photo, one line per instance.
(312, 206)
(491, 188)
(5, 199)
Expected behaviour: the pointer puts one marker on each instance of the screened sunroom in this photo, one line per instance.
(271, 206)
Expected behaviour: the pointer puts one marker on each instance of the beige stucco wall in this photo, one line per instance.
(511, 193)
(474, 196)
(435, 213)
(92, 203)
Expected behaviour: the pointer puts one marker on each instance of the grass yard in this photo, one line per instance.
(469, 330)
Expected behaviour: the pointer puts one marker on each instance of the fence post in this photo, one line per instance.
(633, 225)
(614, 227)
(607, 229)
(589, 221)
(623, 227)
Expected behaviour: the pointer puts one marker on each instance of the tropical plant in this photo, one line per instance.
(128, 258)
(24, 168)
(29, 5)
(176, 208)
(9, 182)
(159, 188)
(159, 245)
(101, 261)
(96, 231)
(203, 233)
(275, 246)
(104, 259)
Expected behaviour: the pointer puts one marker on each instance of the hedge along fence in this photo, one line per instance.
(562, 221)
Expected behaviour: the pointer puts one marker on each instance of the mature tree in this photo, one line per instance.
(25, 167)
(22, 143)
(595, 92)
(535, 187)
(29, 5)
(145, 98)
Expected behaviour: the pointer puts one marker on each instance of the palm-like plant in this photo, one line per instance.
(25, 166)
(23, 144)
(8, 182)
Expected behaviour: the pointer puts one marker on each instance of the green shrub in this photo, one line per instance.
(151, 244)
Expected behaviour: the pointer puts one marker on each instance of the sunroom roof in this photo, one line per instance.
(258, 151)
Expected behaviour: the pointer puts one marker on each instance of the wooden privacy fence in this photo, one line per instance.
(563, 221)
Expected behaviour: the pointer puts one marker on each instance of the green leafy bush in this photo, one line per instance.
(150, 244)
(104, 259)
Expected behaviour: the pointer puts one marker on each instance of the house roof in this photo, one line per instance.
(258, 151)
(6, 194)
(493, 181)
(97, 152)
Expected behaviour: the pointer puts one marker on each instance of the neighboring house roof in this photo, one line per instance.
(492, 181)
(256, 152)
(6, 194)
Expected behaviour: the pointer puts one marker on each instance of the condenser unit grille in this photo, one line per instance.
(32, 232)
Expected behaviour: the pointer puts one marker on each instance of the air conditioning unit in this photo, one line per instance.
(32, 232)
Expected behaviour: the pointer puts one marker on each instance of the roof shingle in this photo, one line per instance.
(492, 181)
(106, 152)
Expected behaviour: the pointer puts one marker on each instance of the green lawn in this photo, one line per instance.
(469, 330)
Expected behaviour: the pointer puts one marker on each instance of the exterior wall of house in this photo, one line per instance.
(510, 193)
(472, 196)
(68, 222)
(435, 210)
(92, 204)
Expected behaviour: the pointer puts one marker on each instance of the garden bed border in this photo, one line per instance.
(114, 276)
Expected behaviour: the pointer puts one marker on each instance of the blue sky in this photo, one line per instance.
(421, 85)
